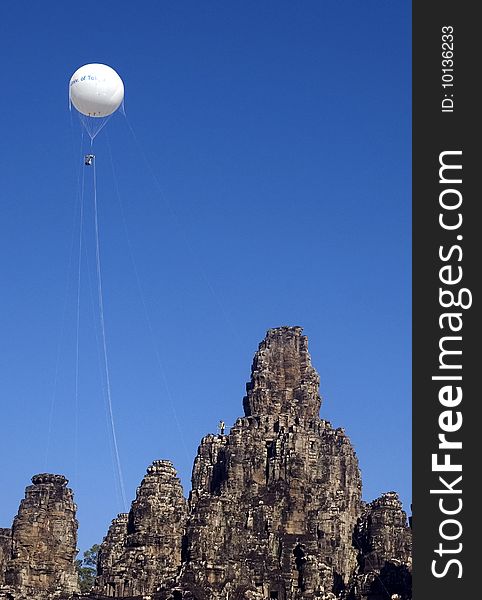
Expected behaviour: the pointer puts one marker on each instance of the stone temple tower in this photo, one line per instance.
(274, 513)
(43, 543)
(141, 553)
(274, 503)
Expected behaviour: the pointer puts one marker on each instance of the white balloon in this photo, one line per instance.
(96, 90)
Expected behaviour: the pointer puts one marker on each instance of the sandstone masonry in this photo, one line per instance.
(40, 549)
(141, 553)
(275, 512)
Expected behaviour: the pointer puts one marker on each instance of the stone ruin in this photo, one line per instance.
(385, 551)
(275, 512)
(37, 554)
(148, 541)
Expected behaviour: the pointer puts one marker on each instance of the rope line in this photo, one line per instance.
(148, 319)
(100, 366)
(53, 398)
(104, 343)
(77, 330)
(94, 125)
(187, 243)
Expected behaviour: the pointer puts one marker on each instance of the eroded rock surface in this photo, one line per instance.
(274, 503)
(43, 542)
(384, 543)
(275, 512)
(142, 550)
(5, 551)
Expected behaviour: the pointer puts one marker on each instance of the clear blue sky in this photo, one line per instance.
(269, 185)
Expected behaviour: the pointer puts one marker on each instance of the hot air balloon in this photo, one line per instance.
(96, 91)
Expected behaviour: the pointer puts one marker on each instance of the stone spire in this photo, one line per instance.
(44, 540)
(275, 512)
(112, 546)
(382, 533)
(384, 543)
(141, 553)
(274, 503)
(282, 378)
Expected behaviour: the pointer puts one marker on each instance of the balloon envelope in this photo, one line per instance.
(96, 90)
